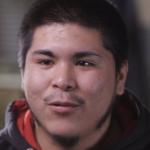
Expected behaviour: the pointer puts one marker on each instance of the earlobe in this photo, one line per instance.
(121, 78)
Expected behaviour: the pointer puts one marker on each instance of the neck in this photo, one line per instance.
(83, 142)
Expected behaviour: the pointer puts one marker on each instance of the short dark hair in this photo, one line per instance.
(98, 14)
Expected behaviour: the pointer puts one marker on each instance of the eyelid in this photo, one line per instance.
(44, 61)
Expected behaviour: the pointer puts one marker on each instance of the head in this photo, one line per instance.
(74, 62)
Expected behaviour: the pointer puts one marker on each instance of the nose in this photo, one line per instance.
(64, 78)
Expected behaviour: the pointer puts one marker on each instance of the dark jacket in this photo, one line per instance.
(139, 139)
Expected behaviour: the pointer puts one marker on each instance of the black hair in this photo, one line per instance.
(98, 14)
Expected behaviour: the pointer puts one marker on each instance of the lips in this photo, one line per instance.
(64, 103)
(64, 107)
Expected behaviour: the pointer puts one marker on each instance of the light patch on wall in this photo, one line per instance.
(10, 81)
(143, 10)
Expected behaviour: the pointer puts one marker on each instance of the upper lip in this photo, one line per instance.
(63, 100)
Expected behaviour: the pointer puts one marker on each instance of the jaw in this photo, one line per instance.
(52, 140)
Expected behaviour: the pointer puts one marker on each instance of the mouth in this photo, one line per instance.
(64, 107)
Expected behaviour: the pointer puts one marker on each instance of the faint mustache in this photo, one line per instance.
(71, 98)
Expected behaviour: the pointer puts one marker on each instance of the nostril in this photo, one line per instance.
(69, 87)
(55, 86)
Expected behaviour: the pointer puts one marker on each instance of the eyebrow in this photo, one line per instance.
(86, 54)
(45, 52)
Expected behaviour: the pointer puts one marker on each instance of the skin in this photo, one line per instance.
(70, 83)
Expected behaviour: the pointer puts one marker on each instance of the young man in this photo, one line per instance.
(74, 64)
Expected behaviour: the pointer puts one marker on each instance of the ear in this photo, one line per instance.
(121, 78)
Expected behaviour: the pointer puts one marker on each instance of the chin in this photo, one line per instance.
(64, 129)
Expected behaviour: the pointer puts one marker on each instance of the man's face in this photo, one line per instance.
(70, 79)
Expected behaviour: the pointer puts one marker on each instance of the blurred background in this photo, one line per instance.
(136, 14)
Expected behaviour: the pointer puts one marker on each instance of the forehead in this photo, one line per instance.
(67, 33)
(66, 36)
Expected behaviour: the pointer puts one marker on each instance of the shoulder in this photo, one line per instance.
(4, 143)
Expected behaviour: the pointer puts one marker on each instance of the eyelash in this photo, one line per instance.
(85, 63)
(45, 62)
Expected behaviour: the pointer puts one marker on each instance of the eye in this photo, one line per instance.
(45, 62)
(85, 63)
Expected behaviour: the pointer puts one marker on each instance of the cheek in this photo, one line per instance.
(34, 84)
(97, 83)
(99, 90)
(34, 88)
